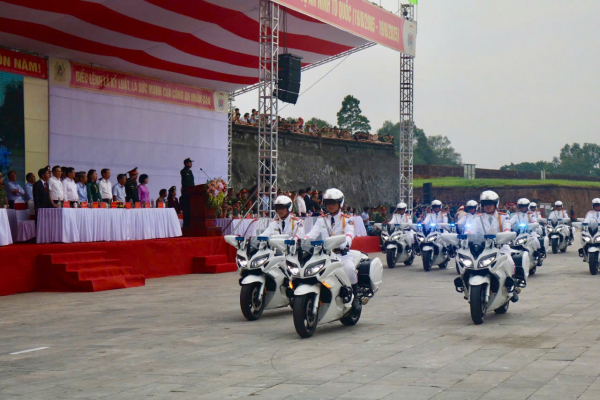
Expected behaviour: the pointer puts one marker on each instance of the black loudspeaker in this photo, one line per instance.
(427, 193)
(289, 78)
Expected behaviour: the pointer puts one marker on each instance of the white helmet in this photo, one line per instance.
(436, 203)
(334, 194)
(488, 196)
(596, 201)
(532, 204)
(284, 201)
(402, 206)
(558, 203)
(523, 202)
(471, 203)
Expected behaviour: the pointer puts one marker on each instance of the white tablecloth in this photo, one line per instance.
(26, 231)
(5, 234)
(73, 225)
(244, 227)
(14, 217)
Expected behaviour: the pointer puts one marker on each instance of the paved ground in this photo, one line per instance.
(185, 338)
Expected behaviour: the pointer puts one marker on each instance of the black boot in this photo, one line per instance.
(355, 303)
(515, 297)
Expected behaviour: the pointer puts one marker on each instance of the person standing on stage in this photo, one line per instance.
(143, 191)
(131, 188)
(187, 181)
(92, 186)
(105, 186)
(69, 186)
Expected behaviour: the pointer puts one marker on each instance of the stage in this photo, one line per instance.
(113, 265)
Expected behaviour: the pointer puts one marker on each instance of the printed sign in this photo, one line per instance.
(23, 64)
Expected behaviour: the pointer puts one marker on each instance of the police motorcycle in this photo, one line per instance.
(263, 276)
(590, 242)
(558, 233)
(485, 273)
(433, 250)
(523, 248)
(396, 243)
(320, 289)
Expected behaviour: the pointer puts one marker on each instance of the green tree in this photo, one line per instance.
(389, 128)
(443, 151)
(350, 116)
(321, 123)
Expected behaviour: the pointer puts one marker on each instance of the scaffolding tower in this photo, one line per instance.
(406, 119)
(267, 107)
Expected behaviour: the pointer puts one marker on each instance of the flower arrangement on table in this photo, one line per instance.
(217, 190)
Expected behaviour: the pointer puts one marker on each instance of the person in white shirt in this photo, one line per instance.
(69, 186)
(105, 186)
(524, 216)
(300, 203)
(534, 210)
(284, 223)
(57, 193)
(560, 213)
(402, 217)
(467, 219)
(594, 214)
(118, 191)
(436, 216)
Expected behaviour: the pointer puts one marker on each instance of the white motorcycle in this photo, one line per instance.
(433, 250)
(396, 243)
(590, 244)
(523, 249)
(485, 273)
(321, 289)
(558, 234)
(264, 279)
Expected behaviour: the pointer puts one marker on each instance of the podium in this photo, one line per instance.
(203, 219)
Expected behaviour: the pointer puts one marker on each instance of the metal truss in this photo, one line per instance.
(406, 120)
(230, 140)
(268, 106)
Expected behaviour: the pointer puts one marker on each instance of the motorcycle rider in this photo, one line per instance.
(492, 222)
(560, 213)
(541, 232)
(336, 223)
(467, 219)
(595, 212)
(436, 216)
(524, 216)
(534, 210)
(402, 217)
(284, 223)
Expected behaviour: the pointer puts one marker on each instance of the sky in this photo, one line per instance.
(506, 81)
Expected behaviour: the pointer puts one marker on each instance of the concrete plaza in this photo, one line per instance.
(185, 338)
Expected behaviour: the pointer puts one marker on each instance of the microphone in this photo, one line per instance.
(205, 174)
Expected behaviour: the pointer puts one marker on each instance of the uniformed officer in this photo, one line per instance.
(336, 223)
(402, 217)
(535, 211)
(187, 181)
(470, 212)
(284, 223)
(560, 213)
(595, 213)
(524, 216)
(436, 216)
(131, 187)
(492, 222)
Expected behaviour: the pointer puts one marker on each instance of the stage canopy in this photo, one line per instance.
(207, 43)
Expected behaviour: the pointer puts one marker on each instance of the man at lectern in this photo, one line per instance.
(187, 181)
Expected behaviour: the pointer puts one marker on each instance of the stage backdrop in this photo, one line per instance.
(12, 126)
(95, 130)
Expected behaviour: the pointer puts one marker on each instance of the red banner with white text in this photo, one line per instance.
(363, 19)
(23, 64)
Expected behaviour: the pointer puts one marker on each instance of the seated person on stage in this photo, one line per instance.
(14, 191)
(69, 186)
(172, 201)
(92, 185)
(162, 197)
(57, 194)
(105, 186)
(82, 190)
(143, 192)
(118, 190)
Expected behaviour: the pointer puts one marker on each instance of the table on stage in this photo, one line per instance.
(5, 232)
(15, 217)
(72, 225)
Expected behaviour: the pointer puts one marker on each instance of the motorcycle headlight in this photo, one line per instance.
(396, 236)
(597, 239)
(520, 241)
(259, 262)
(431, 239)
(550, 230)
(292, 268)
(420, 238)
(487, 261)
(384, 236)
(314, 269)
(466, 261)
(241, 262)
(586, 238)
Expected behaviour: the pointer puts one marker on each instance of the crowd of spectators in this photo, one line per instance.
(298, 126)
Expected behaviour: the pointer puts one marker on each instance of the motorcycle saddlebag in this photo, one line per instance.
(370, 273)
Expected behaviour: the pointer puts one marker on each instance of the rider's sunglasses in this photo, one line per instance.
(281, 207)
(330, 202)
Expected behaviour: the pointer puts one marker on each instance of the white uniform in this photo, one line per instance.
(537, 215)
(466, 221)
(486, 224)
(340, 224)
(558, 214)
(291, 226)
(436, 218)
(526, 218)
(404, 219)
(592, 215)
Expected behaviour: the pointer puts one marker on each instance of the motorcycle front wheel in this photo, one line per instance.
(554, 246)
(391, 258)
(593, 261)
(305, 320)
(251, 306)
(478, 305)
(427, 256)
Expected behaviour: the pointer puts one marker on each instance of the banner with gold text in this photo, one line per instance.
(23, 64)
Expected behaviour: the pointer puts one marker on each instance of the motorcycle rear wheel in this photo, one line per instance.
(593, 261)
(391, 258)
(502, 309)
(533, 271)
(427, 256)
(251, 307)
(410, 260)
(478, 305)
(305, 321)
(444, 265)
(352, 318)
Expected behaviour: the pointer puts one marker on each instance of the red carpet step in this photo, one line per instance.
(216, 264)
(89, 271)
